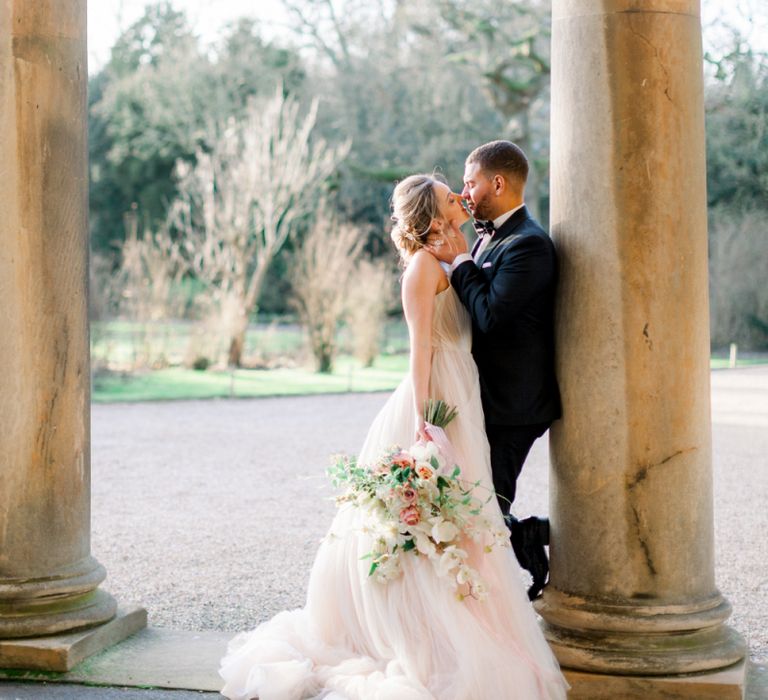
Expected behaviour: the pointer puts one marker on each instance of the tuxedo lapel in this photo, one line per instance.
(505, 231)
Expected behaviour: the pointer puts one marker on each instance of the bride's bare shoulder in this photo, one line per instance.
(423, 264)
(424, 271)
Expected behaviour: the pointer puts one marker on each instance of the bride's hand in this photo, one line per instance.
(448, 242)
(421, 431)
(453, 231)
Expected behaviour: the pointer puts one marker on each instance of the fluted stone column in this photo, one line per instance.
(632, 583)
(48, 580)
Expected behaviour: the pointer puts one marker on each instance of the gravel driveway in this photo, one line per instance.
(208, 513)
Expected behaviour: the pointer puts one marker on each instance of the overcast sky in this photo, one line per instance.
(107, 18)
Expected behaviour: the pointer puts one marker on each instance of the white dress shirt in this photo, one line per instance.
(498, 222)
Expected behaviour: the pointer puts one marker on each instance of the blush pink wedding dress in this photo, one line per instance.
(411, 638)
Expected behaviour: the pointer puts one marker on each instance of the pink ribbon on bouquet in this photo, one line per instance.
(443, 443)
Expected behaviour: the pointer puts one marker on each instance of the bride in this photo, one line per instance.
(411, 638)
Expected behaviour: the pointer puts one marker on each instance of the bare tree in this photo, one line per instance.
(490, 52)
(505, 46)
(738, 259)
(246, 196)
(508, 44)
(146, 287)
(371, 294)
(322, 273)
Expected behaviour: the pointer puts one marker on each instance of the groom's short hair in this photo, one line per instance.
(502, 157)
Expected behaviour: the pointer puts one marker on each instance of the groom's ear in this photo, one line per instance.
(499, 184)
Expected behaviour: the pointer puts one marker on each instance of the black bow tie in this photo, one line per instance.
(483, 227)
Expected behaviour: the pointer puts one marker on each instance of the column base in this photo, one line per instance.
(61, 652)
(67, 599)
(647, 654)
(56, 616)
(726, 684)
(653, 640)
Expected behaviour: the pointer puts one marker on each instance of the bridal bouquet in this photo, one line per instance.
(416, 501)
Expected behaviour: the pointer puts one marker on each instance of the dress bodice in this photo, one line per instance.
(451, 325)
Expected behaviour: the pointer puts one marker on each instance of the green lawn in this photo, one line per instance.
(180, 383)
(723, 362)
(115, 344)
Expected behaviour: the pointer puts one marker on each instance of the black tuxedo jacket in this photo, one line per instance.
(509, 293)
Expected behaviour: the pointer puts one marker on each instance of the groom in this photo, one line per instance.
(507, 283)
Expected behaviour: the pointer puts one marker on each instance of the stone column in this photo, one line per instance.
(632, 583)
(48, 580)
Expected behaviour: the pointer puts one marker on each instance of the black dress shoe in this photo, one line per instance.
(528, 538)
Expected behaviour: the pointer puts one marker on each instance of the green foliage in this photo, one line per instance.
(201, 363)
(738, 260)
(507, 45)
(144, 114)
(413, 86)
(157, 101)
(389, 88)
(245, 66)
(737, 190)
(160, 31)
(737, 136)
(439, 413)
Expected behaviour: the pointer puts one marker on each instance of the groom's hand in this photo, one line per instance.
(447, 244)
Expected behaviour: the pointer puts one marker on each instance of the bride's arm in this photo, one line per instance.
(420, 284)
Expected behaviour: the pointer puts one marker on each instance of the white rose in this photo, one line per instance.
(420, 452)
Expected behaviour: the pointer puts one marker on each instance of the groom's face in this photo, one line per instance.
(479, 192)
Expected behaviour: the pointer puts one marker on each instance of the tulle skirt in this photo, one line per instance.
(410, 638)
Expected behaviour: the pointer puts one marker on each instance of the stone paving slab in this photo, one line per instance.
(153, 658)
(727, 684)
(53, 691)
(61, 652)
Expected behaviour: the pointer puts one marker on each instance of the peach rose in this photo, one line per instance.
(408, 494)
(410, 516)
(424, 471)
(403, 459)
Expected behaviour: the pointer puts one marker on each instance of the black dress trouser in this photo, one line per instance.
(510, 445)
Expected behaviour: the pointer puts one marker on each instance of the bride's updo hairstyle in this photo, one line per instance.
(414, 206)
